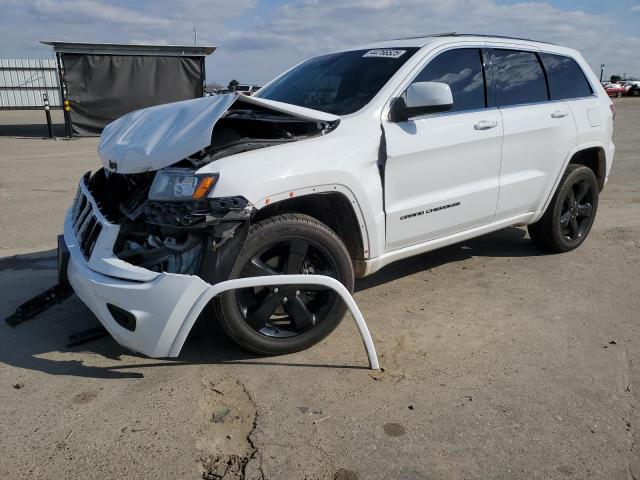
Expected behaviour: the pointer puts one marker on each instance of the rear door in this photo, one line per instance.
(568, 83)
(441, 173)
(538, 132)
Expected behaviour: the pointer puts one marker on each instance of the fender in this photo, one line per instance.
(583, 146)
(331, 187)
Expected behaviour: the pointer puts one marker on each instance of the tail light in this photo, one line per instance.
(613, 110)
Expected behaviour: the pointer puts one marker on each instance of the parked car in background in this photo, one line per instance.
(614, 89)
(634, 90)
(629, 84)
(246, 89)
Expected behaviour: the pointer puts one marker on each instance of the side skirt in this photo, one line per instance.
(375, 264)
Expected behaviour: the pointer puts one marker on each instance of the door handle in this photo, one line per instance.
(559, 114)
(485, 124)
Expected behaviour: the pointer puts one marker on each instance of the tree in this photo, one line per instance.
(615, 78)
(234, 83)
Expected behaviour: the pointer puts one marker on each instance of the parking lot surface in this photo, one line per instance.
(499, 361)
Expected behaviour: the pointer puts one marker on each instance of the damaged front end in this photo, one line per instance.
(151, 187)
(146, 235)
(194, 236)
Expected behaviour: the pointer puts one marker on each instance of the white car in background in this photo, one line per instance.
(629, 84)
(344, 164)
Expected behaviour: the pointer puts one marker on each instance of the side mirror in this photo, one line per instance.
(421, 98)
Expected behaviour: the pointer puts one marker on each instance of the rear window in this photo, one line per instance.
(566, 78)
(519, 78)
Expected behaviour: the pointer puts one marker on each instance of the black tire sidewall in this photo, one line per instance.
(580, 173)
(273, 230)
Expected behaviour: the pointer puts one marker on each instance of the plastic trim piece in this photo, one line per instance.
(234, 284)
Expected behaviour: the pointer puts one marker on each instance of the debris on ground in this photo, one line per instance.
(39, 304)
(18, 385)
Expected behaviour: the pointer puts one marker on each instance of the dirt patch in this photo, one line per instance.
(394, 429)
(84, 397)
(229, 419)
(344, 474)
(224, 467)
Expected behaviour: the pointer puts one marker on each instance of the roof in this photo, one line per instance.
(130, 49)
(422, 40)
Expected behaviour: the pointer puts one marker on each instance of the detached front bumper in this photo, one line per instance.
(157, 307)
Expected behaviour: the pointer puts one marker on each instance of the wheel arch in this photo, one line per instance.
(594, 158)
(333, 205)
(591, 155)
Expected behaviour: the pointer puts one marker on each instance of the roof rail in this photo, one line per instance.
(456, 34)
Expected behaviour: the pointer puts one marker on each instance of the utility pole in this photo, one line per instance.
(601, 71)
(195, 34)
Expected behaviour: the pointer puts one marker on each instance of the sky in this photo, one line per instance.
(258, 39)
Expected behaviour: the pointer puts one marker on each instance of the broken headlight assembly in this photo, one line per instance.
(181, 184)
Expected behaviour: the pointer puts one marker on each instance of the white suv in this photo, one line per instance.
(340, 166)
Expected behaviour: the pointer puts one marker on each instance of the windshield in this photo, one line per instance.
(338, 83)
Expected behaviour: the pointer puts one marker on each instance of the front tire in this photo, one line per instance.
(286, 319)
(570, 215)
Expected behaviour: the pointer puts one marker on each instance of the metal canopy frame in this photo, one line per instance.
(130, 49)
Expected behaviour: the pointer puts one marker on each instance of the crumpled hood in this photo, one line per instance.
(159, 136)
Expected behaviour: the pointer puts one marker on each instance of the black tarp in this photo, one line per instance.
(101, 88)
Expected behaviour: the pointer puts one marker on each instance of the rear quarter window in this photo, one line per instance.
(566, 78)
(519, 77)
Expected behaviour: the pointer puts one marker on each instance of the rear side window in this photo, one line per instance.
(462, 70)
(566, 78)
(519, 78)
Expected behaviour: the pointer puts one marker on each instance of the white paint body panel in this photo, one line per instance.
(435, 161)
(156, 137)
(534, 148)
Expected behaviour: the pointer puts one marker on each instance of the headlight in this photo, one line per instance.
(181, 184)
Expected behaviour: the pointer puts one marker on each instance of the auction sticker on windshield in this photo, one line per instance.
(385, 53)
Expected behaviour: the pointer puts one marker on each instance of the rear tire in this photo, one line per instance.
(569, 217)
(276, 321)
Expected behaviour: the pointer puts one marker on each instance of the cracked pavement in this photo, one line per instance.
(499, 361)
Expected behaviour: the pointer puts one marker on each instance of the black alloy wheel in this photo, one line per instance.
(568, 219)
(287, 310)
(283, 319)
(577, 207)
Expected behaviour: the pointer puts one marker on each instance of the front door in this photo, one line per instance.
(442, 170)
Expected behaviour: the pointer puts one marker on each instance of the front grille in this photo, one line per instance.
(86, 225)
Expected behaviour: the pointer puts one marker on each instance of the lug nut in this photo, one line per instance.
(285, 300)
(276, 290)
(297, 293)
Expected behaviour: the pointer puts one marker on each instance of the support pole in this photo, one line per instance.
(67, 118)
(47, 113)
(63, 97)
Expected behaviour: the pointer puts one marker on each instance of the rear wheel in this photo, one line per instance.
(286, 318)
(571, 213)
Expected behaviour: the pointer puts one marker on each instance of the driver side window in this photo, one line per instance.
(462, 70)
